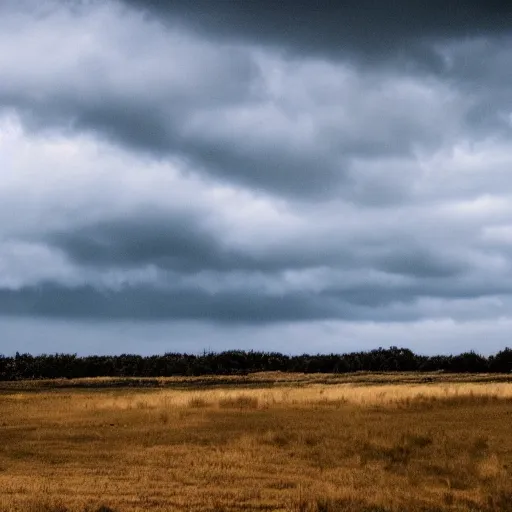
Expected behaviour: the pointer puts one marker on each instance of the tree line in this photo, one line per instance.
(233, 362)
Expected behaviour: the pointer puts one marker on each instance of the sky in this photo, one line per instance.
(289, 176)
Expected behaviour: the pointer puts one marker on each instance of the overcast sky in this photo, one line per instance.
(291, 176)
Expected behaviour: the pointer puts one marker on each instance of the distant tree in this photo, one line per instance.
(49, 366)
(501, 362)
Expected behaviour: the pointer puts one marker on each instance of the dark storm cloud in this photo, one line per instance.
(370, 302)
(370, 29)
(190, 244)
(215, 107)
(181, 247)
(150, 303)
(157, 122)
(178, 243)
(466, 43)
(268, 151)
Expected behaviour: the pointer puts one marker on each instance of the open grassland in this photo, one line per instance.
(259, 380)
(261, 442)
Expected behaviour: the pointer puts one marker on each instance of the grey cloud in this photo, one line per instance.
(155, 121)
(191, 241)
(361, 281)
(239, 307)
(205, 273)
(216, 106)
(175, 242)
(149, 303)
(372, 125)
(187, 243)
(466, 45)
(421, 262)
(481, 68)
(379, 298)
(349, 163)
(370, 29)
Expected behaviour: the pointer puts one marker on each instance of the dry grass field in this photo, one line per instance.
(262, 442)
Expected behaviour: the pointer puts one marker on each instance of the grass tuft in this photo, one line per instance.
(239, 402)
(197, 403)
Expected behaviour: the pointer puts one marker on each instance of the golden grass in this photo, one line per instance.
(300, 445)
(259, 380)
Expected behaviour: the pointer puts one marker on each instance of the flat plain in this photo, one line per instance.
(268, 441)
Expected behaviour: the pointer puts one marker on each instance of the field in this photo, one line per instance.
(288, 442)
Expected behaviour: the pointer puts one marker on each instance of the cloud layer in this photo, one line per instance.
(274, 165)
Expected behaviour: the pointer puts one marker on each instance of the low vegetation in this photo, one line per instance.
(237, 362)
(296, 443)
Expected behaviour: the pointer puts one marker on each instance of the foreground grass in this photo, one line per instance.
(298, 446)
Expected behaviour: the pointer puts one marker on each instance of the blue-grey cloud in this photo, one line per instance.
(290, 126)
(150, 303)
(368, 29)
